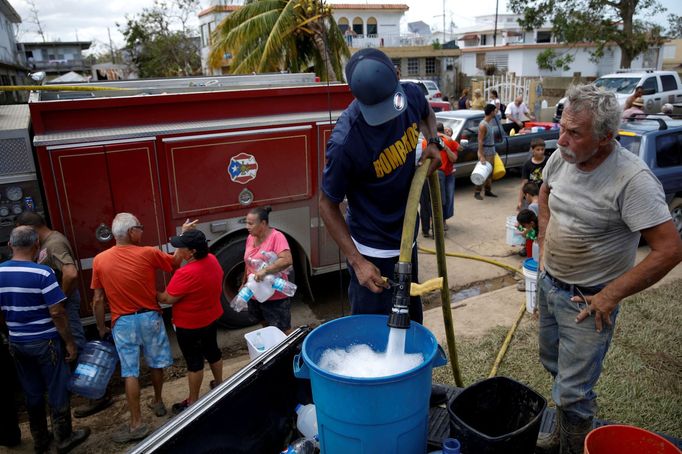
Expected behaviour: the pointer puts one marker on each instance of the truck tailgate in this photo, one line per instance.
(252, 411)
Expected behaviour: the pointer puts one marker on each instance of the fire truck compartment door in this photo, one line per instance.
(212, 173)
(94, 183)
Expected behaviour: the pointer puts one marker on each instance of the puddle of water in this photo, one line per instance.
(474, 289)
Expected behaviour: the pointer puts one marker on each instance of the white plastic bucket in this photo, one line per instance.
(514, 236)
(270, 335)
(530, 272)
(481, 173)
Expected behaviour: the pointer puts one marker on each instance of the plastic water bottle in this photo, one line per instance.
(284, 286)
(96, 365)
(258, 342)
(240, 301)
(306, 422)
(301, 446)
(450, 446)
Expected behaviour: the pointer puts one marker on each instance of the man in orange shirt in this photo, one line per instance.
(126, 275)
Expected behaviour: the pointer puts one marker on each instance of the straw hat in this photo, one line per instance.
(638, 102)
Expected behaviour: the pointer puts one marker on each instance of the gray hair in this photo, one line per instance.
(606, 112)
(23, 237)
(667, 108)
(122, 223)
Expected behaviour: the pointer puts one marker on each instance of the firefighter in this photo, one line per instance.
(371, 162)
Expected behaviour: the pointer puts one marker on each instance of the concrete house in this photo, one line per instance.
(56, 57)
(508, 48)
(364, 25)
(13, 71)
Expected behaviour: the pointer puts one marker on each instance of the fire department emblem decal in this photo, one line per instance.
(243, 168)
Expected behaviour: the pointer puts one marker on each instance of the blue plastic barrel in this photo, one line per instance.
(96, 365)
(370, 415)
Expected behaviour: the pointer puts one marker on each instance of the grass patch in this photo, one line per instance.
(641, 383)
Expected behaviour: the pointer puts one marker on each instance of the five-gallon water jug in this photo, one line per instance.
(306, 421)
(96, 365)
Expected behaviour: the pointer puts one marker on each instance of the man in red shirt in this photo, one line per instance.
(446, 180)
(126, 275)
(194, 291)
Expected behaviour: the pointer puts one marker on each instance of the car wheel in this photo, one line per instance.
(231, 258)
(676, 213)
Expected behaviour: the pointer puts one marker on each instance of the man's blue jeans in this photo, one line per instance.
(447, 191)
(572, 352)
(73, 311)
(41, 368)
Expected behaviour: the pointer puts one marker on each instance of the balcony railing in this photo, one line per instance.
(389, 40)
(59, 65)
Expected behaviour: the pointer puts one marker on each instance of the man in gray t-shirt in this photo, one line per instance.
(596, 201)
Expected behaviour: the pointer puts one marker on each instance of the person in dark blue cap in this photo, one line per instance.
(370, 162)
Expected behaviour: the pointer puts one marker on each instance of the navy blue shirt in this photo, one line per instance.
(373, 166)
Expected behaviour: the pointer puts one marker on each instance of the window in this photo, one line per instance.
(372, 27)
(480, 60)
(343, 24)
(650, 86)
(204, 35)
(669, 150)
(412, 66)
(358, 27)
(668, 82)
(543, 37)
(430, 64)
(484, 40)
(210, 30)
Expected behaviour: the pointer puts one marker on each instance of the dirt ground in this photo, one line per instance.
(483, 296)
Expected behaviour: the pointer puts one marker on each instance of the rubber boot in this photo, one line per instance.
(37, 420)
(67, 439)
(548, 442)
(574, 429)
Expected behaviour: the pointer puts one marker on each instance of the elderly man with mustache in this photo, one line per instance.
(596, 201)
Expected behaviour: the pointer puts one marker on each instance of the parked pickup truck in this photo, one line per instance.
(659, 144)
(514, 150)
(660, 87)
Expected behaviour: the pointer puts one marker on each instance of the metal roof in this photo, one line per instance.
(14, 117)
(9, 12)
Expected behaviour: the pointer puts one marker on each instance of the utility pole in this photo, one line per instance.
(497, 4)
(111, 47)
(444, 22)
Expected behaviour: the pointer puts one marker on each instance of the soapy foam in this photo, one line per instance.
(362, 362)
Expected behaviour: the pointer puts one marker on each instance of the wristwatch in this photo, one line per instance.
(437, 141)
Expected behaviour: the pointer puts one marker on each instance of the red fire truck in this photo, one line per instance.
(171, 149)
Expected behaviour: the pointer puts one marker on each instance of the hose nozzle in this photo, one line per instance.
(400, 315)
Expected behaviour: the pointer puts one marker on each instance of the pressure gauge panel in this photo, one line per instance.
(17, 208)
(14, 193)
(4, 211)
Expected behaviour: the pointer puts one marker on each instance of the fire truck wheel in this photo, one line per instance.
(231, 258)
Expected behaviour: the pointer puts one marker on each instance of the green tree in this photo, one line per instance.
(275, 35)
(674, 26)
(160, 42)
(602, 22)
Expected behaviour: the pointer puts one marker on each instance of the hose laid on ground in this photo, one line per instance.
(407, 242)
(522, 309)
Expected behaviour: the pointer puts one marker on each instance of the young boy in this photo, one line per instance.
(529, 221)
(531, 193)
(532, 169)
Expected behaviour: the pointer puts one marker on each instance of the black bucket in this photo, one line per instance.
(495, 416)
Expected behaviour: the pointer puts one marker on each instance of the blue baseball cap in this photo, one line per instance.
(374, 83)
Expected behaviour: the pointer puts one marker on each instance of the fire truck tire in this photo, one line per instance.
(231, 258)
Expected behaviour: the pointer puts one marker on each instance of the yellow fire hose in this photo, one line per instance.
(406, 244)
(522, 309)
(58, 88)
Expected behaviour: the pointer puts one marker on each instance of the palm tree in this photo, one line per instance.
(275, 35)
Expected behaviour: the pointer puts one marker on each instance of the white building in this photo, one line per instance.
(512, 49)
(12, 68)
